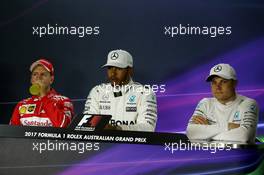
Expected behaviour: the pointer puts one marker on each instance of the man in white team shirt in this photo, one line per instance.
(227, 116)
(132, 105)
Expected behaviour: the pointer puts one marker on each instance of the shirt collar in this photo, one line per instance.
(51, 93)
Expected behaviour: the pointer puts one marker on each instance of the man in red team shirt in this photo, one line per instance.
(47, 107)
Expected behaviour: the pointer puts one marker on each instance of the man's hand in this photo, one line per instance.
(233, 126)
(111, 127)
(200, 120)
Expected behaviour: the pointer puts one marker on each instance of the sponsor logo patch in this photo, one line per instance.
(236, 116)
(35, 121)
(22, 109)
(253, 108)
(131, 109)
(132, 99)
(121, 122)
(27, 109)
(104, 107)
(31, 108)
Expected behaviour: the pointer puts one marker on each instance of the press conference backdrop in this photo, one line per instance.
(158, 35)
(173, 43)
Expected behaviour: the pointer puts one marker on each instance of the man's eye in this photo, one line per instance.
(44, 74)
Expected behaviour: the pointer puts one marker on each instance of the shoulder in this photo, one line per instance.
(248, 103)
(206, 101)
(63, 100)
(145, 92)
(101, 87)
(25, 101)
(246, 100)
(58, 97)
(136, 84)
(143, 89)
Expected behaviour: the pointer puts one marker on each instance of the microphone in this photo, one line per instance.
(34, 89)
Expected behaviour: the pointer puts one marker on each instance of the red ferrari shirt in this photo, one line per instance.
(51, 110)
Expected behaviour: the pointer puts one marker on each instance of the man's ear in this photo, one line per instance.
(52, 79)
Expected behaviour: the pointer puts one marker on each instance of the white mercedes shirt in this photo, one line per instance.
(242, 111)
(132, 106)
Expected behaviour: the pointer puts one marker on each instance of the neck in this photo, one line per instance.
(125, 82)
(225, 101)
(44, 92)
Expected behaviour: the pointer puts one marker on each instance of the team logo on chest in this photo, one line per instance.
(105, 97)
(236, 116)
(131, 104)
(132, 99)
(253, 108)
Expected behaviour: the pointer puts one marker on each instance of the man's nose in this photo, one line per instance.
(219, 86)
(113, 71)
